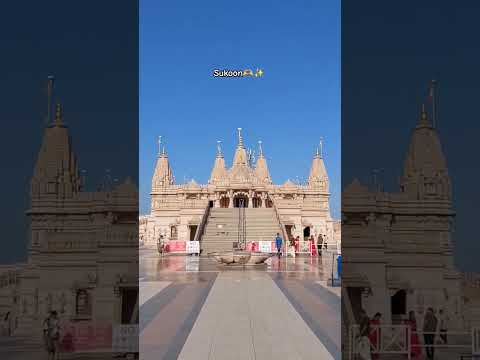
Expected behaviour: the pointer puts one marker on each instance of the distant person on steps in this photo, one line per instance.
(278, 244)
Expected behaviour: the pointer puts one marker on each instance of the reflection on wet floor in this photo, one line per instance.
(190, 268)
(179, 311)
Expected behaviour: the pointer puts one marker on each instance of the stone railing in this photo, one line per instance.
(202, 225)
(282, 226)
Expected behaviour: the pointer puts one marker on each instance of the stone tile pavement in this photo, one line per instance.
(202, 311)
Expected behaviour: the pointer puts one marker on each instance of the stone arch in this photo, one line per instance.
(256, 202)
(399, 303)
(240, 199)
(224, 201)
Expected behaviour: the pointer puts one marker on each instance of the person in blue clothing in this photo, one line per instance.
(278, 244)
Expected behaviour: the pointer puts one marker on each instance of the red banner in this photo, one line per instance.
(85, 336)
(175, 246)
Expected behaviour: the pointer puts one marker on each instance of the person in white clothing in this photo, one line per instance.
(442, 325)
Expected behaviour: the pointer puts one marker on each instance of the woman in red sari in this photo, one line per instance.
(416, 350)
(374, 335)
(313, 246)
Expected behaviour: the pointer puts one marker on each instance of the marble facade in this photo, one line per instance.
(177, 209)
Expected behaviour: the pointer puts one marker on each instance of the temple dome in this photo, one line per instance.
(163, 175)
(261, 167)
(318, 173)
(56, 169)
(425, 172)
(219, 171)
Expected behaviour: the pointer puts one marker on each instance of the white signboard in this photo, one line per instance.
(193, 247)
(265, 246)
(125, 338)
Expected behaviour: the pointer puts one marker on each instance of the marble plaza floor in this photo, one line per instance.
(192, 309)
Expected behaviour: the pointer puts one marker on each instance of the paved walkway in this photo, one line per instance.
(247, 317)
(191, 309)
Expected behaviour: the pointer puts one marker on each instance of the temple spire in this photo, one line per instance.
(219, 172)
(261, 167)
(50, 84)
(56, 169)
(161, 147)
(219, 149)
(319, 149)
(423, 121)
(163, 174)
(240, 158)
(318, 174)
(58, 116)
(260, 150)
(425, 173)
(240, 138)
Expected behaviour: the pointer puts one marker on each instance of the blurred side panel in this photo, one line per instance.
(409, 202)
(69, 154)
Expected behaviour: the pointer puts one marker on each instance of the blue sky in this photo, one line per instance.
(296, 102)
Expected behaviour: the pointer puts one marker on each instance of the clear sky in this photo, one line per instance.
(296, 102)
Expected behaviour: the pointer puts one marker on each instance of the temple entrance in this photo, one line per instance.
(210, 204)
(224, 202)
(355, 300)
(193, 231)
(256, 202)
(129, 305)
(173, 233)
(268, 203)
(288, 228)
(240, 201)
(399, 303)
(306, 232)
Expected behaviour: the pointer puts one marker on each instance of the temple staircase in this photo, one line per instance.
(224, 227)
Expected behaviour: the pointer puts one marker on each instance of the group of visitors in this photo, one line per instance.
(314, 246)
(368, 340)
(433, 325)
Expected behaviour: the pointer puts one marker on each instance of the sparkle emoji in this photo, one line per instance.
(259, 73)
(247, 72)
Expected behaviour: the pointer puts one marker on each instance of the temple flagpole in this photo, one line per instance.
(50, 85)
(433, 99)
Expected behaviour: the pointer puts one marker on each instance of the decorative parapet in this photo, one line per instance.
(10, 276)
(193, 204)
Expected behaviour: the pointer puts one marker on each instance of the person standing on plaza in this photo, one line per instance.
(374, 335)
(278, 244)
(415, 349)
(319, 244)
(313, 245)
(297, 244)
(429, 330)
(442, 325)
(51, 335)
(6, 325)
(363, 341)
